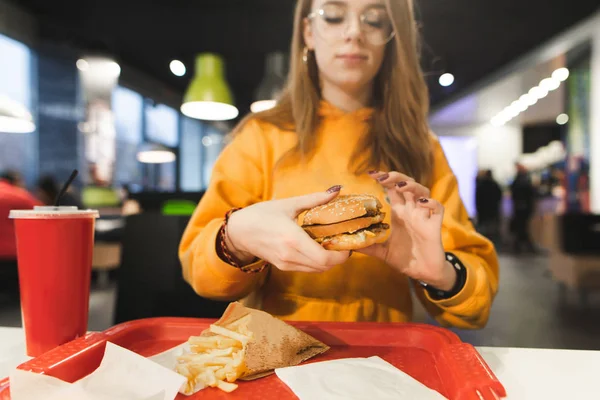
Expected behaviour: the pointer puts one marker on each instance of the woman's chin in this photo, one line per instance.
(352, 83)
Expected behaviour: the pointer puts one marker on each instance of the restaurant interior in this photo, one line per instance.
(107, 88)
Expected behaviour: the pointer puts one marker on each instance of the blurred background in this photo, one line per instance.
(109, 87)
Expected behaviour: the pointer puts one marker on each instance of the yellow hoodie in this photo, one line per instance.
(363, 288)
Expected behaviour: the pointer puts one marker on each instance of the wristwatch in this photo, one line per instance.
(461, 279)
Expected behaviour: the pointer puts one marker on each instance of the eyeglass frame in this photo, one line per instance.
(319, 12)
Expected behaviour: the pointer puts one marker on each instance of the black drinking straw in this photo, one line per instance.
(65, 187)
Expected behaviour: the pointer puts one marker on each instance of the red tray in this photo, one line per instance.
(432, 355)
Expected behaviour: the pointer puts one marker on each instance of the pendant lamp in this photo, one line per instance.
(14, 117)
(152, 153)
(272, 83)
(209, 97)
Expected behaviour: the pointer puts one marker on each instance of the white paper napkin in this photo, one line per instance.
(168, 358)
(122, 374)
(354, 378)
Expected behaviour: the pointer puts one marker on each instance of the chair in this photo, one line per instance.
(574, 253)
(150, 282)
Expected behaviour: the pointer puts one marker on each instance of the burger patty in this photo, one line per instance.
(368, 231)
(350, 226)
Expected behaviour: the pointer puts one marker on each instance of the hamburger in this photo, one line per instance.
(348, 222)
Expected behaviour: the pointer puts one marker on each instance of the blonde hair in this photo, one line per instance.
(399, 137)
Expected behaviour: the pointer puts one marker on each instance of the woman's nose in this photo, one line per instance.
(353, 28)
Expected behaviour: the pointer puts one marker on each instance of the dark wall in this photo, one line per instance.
(539, 135)
(59, 112)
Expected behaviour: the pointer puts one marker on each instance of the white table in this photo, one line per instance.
(525, 373)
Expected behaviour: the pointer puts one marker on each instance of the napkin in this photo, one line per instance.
(122, 374)
(354, 378)
(273, 344)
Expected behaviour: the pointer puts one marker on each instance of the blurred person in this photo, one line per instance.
(523, 196)
(353, 118)
(12, 197)
(488, 198)
(14, 178)
(48, 188)
(129, 206)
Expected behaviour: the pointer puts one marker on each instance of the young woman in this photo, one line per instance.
(353, 119)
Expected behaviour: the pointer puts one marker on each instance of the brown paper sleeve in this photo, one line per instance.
(274, 343)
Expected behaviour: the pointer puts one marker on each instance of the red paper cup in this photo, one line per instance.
(54, 255)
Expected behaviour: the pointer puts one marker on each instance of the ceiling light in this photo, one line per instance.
(207, 141)
(550, 84)
(528, 99)
(272, 83)
(262, 105)
(538, 92)
(177, 68)
(561, 74)
(209, 110)
(446, 79)
(98, 67)
(14, 117)
(505, 115)
(498, 121)
(562, 119)
(208, 96)
(521, 105)
(82, 65)
(115, 68)
(151, 153)
(512, 111)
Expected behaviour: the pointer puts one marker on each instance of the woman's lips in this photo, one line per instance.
(350, 56)
(352, 59)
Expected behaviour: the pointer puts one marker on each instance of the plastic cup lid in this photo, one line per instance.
(53, 212)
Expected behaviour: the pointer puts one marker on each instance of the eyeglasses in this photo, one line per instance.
(331, 23)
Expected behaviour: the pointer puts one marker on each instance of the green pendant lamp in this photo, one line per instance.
(209, 97)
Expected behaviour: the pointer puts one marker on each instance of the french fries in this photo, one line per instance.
(216, 360)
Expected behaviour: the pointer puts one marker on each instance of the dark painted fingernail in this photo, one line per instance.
(383, 177)
(423, 200)
(372, 172)
(334, 189)
(401, 184)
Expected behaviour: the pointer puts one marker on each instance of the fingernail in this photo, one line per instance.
(372, 172)
(383, 177)
(334, 189)
(423, 200)
(401, 184)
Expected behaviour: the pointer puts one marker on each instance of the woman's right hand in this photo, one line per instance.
(269, 231)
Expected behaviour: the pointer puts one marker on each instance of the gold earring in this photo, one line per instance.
(305, 55)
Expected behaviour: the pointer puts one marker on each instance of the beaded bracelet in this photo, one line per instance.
(224, 251)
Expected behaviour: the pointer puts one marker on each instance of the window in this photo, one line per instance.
(461, 153)
(18, 151)
(190, 155)
(127, 108)
(161, 125)
(162, 128)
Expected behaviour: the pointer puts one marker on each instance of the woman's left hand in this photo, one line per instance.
(414, 246)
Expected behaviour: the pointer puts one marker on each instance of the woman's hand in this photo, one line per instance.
(414, 247)
(269, 231)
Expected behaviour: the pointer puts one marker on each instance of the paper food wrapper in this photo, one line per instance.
(275, 344)
(122, 375)
(354, 379)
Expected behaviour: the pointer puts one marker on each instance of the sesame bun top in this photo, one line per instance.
(343, 208)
